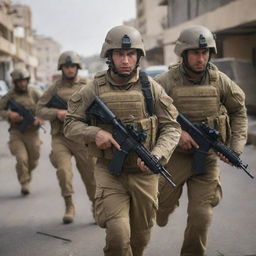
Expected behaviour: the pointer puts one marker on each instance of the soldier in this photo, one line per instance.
(62, 148)
(203, 94)
(24, 143)
(125, 205)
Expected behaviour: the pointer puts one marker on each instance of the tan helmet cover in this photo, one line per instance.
(195, 37)
(20, 74)
(69, 57)
(122, 37)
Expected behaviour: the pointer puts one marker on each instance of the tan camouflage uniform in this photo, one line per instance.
(24, 146)
(125, 205)
(220, 103)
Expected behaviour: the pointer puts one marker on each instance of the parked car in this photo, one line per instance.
(3, 88)
(155, 70)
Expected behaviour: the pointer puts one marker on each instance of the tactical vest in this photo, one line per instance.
(201, 103)
(65, 93)
(129, 106)
(29, 101)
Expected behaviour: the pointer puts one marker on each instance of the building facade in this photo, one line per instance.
(47, 52)
(151, 21)
(16, 40)
(232, 21)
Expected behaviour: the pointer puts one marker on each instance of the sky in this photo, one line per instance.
(79, 25)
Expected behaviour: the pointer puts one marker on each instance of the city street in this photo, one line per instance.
(233, 231)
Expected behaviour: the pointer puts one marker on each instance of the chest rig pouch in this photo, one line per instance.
(28, 101)
(64, 92)
(201, 103)
(128, 104)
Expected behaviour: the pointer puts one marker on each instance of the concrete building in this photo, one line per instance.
(7, 46)
(47, 52)
(151, 21)
(233, 22)
(16, 40)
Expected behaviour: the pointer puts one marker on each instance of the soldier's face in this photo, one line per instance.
(124, 60)
(21, 85)
(69, 71)
(198, 59)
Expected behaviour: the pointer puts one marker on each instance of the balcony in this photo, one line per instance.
(6, 20)
(7, 47)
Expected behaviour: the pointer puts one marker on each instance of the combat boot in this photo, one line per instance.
(162, 219)
(70, 210)
(25, 189)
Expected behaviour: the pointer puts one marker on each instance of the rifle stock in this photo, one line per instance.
(57, 102)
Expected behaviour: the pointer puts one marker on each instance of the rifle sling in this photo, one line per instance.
(146, 89)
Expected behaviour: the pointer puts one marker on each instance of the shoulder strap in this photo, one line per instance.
(100, 78)
(146, 89)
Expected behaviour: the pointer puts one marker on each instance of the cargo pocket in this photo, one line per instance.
(224, 128)
(152, 217)
(217, 195)
(149, 125)
(100, 214)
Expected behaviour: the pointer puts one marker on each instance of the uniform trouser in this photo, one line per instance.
(126, 207)
(204, 192)
(26, 148)
(62, 152)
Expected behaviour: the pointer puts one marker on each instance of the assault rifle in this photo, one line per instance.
(207, 138)
(28, 117)
(57, 102)
(129, 138)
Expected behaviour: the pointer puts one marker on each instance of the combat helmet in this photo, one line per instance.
(20, 74)
(69, 57)
(195, 37)
(122, 37)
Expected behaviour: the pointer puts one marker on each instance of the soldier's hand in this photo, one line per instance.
(105, 140)
(186, 141)
(223, 158)
(15, 117)
(61, 114)
(142, 165)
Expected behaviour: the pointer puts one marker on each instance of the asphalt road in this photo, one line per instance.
(233, 231)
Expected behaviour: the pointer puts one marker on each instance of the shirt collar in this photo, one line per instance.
(134, 78)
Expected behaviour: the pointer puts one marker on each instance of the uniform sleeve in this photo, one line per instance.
(76, 125)
(3, 107)
(163, 80)
(233, 98)
(37, 95)
(41, 110)
(169, 128)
